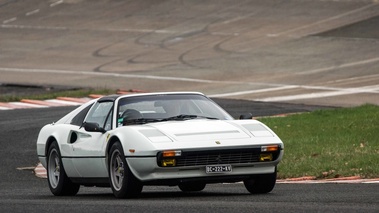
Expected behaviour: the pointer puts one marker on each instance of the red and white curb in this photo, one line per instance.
(28, 103)
(40, 172)
(352, 179)
(59, 101)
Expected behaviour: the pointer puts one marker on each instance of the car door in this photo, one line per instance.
(87, 155)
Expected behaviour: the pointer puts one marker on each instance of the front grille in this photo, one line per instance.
(197, 158)
(214, 157)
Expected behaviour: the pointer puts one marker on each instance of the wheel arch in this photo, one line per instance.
(111, 141)
(49, 141)
(114, 139)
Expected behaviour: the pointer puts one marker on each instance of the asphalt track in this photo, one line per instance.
(22, 191)
(319, 52)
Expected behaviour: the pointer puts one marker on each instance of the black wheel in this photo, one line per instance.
(59, 183)
(191, 187)
(261, 184)
(124, 184)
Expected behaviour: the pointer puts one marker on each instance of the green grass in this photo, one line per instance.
(52, 95)
(329, 143)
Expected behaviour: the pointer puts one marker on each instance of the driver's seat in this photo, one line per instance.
(130, 114)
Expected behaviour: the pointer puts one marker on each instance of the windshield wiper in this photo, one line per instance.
(183, 117)
(140, 121)
(211, 118)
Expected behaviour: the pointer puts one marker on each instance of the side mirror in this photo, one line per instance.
(246, 116)
(93, 127)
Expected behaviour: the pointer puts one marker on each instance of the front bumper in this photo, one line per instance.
(147, 170)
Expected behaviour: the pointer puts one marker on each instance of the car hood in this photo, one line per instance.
(202, 130)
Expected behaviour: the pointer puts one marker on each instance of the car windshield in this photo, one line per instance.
(157, 108)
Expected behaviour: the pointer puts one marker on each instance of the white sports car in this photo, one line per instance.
(176, 139)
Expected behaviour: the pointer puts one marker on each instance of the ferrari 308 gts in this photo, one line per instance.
(179, 139)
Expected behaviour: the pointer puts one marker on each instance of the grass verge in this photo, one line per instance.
(329, 143)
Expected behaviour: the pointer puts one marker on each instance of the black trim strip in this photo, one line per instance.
(139, 156)
(83, 156)
(142, 156)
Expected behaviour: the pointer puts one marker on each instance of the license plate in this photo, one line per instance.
(218, 168)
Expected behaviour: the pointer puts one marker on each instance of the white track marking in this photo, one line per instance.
(5, 25)
(141, 30)
(361, 78)
(32, 27)
(32, 12)
(108, 74)
(28, 105)
(363, 89)
(56, 3)
(10, 20)
(64, 102)
(254, 91)
(372, 60)
(369, 89)
(377, 181)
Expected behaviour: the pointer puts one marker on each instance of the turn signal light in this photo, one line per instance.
(176, 153)
(271, 148)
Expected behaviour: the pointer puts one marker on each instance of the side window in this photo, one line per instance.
(101, 113)
(108, 122)
(79, 118)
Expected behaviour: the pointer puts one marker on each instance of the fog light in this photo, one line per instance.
(265, 157)
(168, 162)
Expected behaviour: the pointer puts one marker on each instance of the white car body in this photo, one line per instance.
(85, 155)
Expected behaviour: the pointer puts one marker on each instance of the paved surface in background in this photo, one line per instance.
(318, 52)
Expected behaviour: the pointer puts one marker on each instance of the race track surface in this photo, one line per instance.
(320, 52)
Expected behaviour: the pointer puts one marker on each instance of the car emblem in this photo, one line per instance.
(217, 142)
(218, 159)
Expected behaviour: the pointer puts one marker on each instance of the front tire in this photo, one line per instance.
(123, 183)
(261, 184)
(59, 183)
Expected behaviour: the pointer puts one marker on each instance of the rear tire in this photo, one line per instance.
(123, 183)
(192, 187)
(261, 184)
(59, 183)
